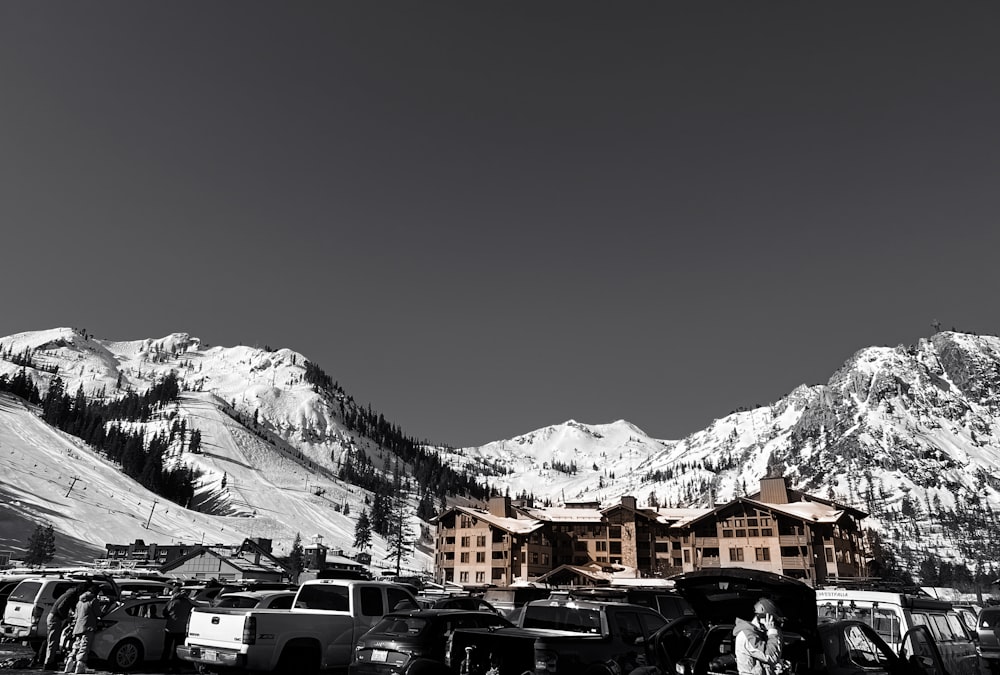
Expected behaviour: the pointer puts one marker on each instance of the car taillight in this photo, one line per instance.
(36, 615)
(545, 661)
(250, 630)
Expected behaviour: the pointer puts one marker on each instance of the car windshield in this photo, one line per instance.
(577, 619)
(237, 601)
(400, 625)
(989, 618)
(25, 592)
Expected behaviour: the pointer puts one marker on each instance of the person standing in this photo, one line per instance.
(758, 642)
(55, 623)
(177, 611)
(83, 630)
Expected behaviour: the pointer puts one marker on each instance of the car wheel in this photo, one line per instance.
(126, 655)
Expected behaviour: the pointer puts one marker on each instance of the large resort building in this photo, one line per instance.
(777, 529)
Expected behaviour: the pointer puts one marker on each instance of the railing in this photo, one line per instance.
(792, 540)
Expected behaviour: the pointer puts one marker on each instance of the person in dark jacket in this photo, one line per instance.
(83, 630)
(758, 642)
(55, 623)
(177, 611)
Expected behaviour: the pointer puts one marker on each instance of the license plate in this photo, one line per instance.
(380, 655)
(210, 655)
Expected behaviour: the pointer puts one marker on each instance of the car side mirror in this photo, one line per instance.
(684, 667)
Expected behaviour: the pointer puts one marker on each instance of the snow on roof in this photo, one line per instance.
(513, 525)
(562, 514)
(680, 517)
(814, 511)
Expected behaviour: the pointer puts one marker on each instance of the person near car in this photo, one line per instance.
(757, 645)
(83, 630)
(56, 621)
(177, 611)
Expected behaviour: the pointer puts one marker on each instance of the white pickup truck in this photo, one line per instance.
(318, 633)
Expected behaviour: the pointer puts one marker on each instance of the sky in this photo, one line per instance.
(485, 218)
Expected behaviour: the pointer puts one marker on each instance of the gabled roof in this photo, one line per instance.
(511, 525)
(562, 514)
(268, 563)
(814, 512)
(803, 497)
(680, 517)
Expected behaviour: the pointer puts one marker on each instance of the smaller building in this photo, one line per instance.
(229, 563)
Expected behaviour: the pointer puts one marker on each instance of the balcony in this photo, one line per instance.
(711, 563)
(793, 540)
(706, 542)
(795, 563)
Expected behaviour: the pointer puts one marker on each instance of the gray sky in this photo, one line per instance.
(484, 218)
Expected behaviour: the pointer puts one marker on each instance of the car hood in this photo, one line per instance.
(721, 596)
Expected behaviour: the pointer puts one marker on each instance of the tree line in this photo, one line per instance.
(105, 426)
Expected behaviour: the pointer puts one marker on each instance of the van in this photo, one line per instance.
(892, 614)
(29, 604)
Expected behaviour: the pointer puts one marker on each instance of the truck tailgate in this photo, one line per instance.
(215, 627)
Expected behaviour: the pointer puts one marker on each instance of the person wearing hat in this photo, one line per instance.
(758, 642)
(84, 627)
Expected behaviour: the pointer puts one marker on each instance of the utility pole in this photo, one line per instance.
(75, 478)
(151, 514)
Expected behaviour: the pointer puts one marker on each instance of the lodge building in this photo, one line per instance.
(776, 529)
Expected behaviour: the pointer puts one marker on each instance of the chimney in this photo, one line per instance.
(773, 490)
(628, 502)
(500, 507)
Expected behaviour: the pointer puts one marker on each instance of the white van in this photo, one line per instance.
(893, 614)
(31, 601)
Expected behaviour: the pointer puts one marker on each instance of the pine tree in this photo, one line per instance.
(363, 532)
(41, 546)
(296, 558)
(401, 536)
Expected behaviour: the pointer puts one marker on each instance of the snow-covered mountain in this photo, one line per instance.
(272, 444)
(910, 434)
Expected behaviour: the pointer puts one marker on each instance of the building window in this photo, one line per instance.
(741, 533)
(615, 532)
(727, 534)
(480, 577)
(602, 546)
(751, 522)
(767, 532)
(480, 556)
(763, 553)
(481, 540)
(687, 555)
(464, 557)
(466, 521)
(463, 577)
(736, 554)
(534, 557)
(829, 555)
(754, 532)
(466, 541)
(616, 548)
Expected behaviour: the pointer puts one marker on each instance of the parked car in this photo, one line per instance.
(988, 630)
(561, 637)
(666, 601)
(892, 614)
(509, 598)
(131, 634)
(415, 642)
(258, 599)
(129, 587)
(446, 601)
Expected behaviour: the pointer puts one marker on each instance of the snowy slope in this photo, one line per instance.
(275, 480)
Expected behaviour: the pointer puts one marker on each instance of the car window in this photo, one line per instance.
(919, 619)
(397, 597)
(886, 624)
(862, 650)
(957, 627)
(941, 629)
(26, 591)
(628, 627)
(320, 596)
(240, 601)
(651, 623)
(282, 602)
(371, 601)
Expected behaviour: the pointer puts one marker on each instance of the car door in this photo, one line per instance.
(150, 626)
(920, 654)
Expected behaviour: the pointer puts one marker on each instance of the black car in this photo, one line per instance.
(466, 601)
(415, 642)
